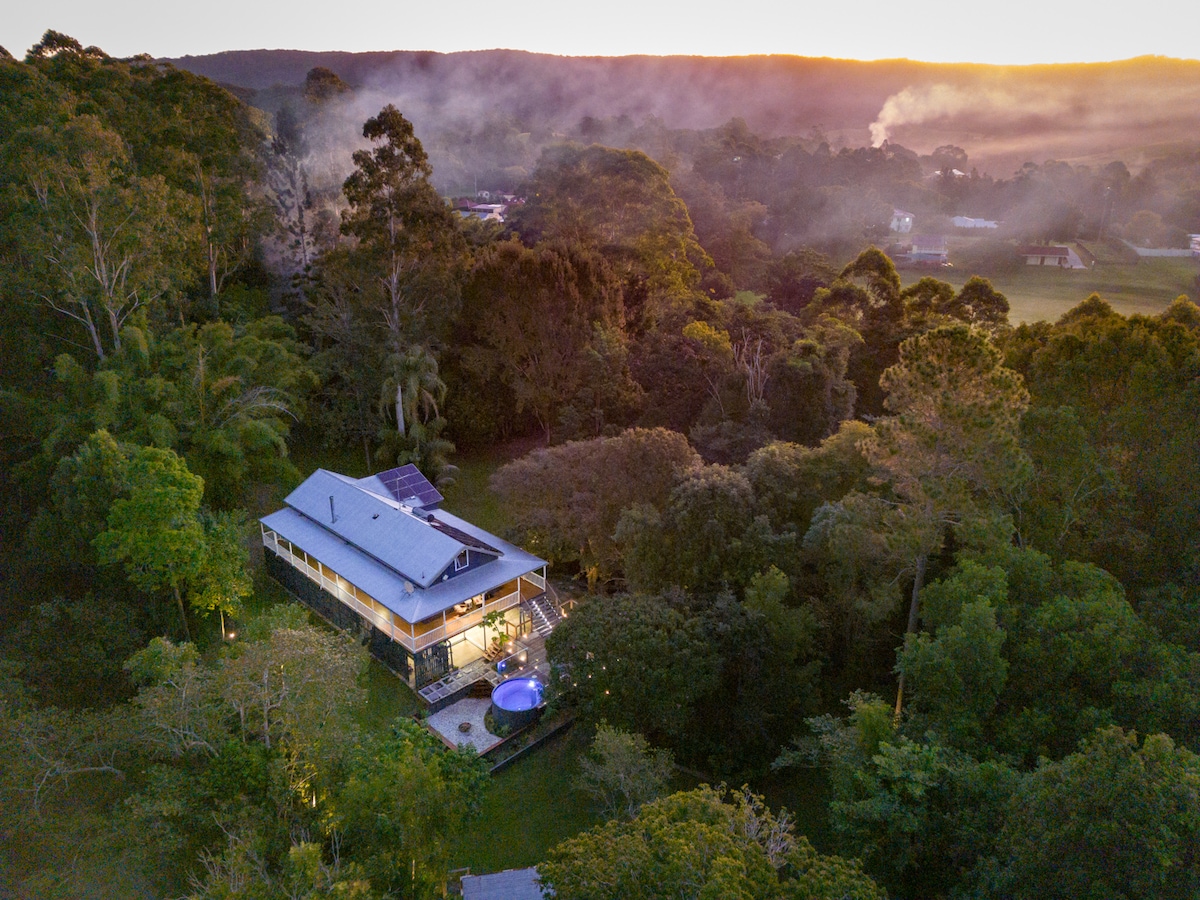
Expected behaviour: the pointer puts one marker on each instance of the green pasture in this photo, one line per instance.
(1041, 292)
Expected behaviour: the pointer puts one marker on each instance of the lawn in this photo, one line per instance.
(533, 805)
(528, 808)
(469, 497)
(1036, 292)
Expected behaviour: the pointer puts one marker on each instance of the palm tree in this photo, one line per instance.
(414, 388)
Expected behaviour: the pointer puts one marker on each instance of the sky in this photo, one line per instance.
(1015, 33)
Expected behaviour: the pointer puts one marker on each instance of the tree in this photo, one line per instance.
(794, 278)
(1129, 814)
(222, 396)
(234, 393)
(623, 649)
(566, 501)
(790, 481)
(918, 813)
(621, 203)
(950, 448)
(111, 239)
(705, 538)
(296, 688)
(709, 842)
(978, 303)
(534, 315)
(407, 240)
(958, 675)
(1130, 385)
(156, 531)
(400, 806)
(622, 772)
(225, 580)
(809, 392)
(44, 748)
(414, 389)
(177, 704)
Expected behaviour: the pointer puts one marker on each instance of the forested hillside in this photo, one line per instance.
(1003, 115)
(823, 513)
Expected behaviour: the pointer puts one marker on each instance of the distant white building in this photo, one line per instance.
(1195, 244)
(928, 250)
(902, 222)
(968, 222)
(1052, 255)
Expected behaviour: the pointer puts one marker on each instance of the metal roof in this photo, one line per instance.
(379, 526)
(395, 555)
(511, 884)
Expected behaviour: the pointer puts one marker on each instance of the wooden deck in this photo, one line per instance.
(529, 656)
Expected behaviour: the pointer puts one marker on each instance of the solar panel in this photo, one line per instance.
(410, 487)
(461, 536)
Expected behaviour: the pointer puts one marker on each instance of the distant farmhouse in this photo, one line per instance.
(1052, 255)
(968, 222)
(928, 250)
(902, 222)
(377, 557)
(489, 212)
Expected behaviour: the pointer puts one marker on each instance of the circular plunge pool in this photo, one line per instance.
(517, 702)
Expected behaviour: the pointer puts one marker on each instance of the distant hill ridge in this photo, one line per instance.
(1064, 110)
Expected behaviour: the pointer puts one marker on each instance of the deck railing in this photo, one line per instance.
(386, 623)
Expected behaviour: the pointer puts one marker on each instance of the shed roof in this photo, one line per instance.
(511, 884)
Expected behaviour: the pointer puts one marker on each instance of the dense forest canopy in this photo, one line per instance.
(822, 511)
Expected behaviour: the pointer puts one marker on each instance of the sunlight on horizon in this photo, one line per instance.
(870, 30)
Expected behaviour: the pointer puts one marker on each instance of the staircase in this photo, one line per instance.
(545, 613)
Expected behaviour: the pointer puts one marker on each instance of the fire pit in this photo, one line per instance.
(464, 727)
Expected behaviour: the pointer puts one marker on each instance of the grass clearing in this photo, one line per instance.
(388, 698)
(470, 498)
(1038, 293)
(529, 807)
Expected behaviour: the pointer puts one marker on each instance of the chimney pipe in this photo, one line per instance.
(332, 517)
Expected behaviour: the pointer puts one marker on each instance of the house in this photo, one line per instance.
(902, 222)
(1052, 255)
(928, 250)
(377, 556)
(1194, 243)
(968, 222)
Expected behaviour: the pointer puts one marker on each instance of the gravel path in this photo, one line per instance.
(472, 710)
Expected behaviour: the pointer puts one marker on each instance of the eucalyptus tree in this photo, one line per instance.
(391, 290)
(407, 243)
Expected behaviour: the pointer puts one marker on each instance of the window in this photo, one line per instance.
(460, 562)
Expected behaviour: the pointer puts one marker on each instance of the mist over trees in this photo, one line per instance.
(823, 511)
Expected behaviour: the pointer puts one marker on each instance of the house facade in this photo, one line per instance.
(376, 556)
(969, 222)
(928, 250)
(902, 221)
(1052, 255)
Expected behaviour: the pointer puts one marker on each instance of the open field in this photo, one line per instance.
(1035, 292)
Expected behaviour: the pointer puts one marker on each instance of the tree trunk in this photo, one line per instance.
(400, 407)
(913, 618)
(187, 634)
